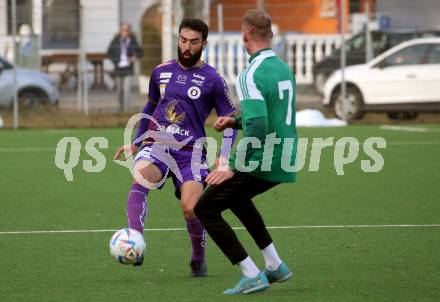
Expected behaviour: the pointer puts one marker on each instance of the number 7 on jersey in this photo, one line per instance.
(287, 85)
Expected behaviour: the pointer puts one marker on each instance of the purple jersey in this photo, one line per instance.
(181, 99)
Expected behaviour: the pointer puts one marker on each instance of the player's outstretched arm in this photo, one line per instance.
(224, 122)
(129, 150)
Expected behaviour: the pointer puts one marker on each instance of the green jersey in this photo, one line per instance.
(267, 92)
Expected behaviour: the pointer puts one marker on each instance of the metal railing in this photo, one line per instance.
(300, 51)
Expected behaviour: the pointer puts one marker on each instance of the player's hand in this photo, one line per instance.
(224, 122)
(129, 150)
(221, 173)
(219, 176)
(221, 163)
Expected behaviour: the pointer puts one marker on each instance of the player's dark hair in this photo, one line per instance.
(196, 25)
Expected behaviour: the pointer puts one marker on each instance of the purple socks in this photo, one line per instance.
(137, 207)
(197, 235)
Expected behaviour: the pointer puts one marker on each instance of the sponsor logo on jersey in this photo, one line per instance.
(194, 92)
(165, 75)
(165, 81)
(198, 76)
(162, 90)
(181, 79)
(197, 82)
(173, 129)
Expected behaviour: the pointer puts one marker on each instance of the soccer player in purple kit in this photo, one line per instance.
(182, 93)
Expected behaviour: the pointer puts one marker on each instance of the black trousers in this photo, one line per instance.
(235, 194)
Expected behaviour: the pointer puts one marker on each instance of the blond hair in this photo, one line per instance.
(260, 21)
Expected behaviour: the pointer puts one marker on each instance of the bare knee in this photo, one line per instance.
(190, 193)
(146, 174)
(188, 212)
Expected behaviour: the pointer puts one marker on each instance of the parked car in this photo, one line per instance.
(33, 87)
(405, 78)
(356, 53)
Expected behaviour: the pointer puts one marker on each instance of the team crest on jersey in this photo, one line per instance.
(162, 90)
(194, 92)
(172, 115)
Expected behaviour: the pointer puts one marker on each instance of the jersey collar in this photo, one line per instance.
(190, 68)
(265, 51)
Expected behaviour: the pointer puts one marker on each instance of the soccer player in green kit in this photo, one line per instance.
(266, 88)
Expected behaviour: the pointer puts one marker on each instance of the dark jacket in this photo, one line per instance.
(114, 53)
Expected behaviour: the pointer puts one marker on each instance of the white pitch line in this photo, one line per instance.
(30, 149)
(405, 128)
(377, 226)
(396, 143)
(412, 143)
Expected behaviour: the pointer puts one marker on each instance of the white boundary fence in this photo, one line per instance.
(301, 52)
(304, 50)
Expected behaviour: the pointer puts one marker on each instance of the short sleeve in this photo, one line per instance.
(250, 92)
(153, 90)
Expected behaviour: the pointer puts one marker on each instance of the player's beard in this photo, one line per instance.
(189, 61)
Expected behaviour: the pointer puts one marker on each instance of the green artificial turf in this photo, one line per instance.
(354, 237)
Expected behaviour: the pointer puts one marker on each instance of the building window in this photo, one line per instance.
(23, 14)
(60, 24)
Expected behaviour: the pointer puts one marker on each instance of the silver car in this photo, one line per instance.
(34, 87)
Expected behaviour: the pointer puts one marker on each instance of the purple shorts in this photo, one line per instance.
(180, 165)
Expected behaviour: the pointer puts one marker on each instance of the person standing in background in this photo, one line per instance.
(123, 51)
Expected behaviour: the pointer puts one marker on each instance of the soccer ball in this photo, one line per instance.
(127, 246)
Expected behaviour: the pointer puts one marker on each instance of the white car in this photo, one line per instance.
(33, 87)
(406, 78)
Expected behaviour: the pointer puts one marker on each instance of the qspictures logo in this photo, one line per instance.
(163, 145)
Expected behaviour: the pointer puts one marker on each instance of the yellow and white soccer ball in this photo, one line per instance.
(127, 246)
